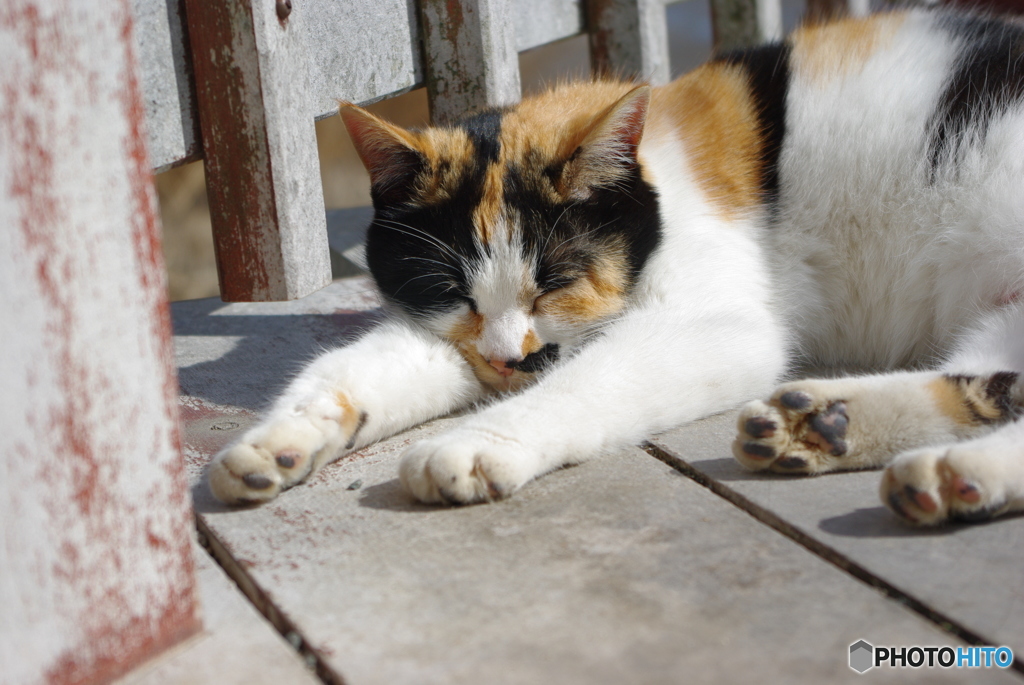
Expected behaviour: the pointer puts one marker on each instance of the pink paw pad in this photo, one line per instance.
(965, 491)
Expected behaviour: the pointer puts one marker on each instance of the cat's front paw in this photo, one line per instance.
(797, 431)
(283, 451)
(948, 483)
(466, 466)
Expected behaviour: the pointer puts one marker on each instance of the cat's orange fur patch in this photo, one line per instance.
(349, 414)
(964, 401)
(531, 343)
(468, 329)
(597, 295)
(950, 401)
(487, 215)
(448, 151)
(826, 52)
(551, 125)
(713, 112)
(546, 129)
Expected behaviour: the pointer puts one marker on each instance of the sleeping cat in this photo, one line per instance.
(608, 260)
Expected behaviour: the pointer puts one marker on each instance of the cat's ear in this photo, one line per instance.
(388, 152)
(608, 149)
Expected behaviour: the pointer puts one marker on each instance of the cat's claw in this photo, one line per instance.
(938, 484)
(796, 431)
(464, 467)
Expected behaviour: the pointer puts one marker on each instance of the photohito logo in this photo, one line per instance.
(864, 656)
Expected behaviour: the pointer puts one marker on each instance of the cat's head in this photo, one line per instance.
(514, 233)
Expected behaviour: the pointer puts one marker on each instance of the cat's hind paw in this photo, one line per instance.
(464, 467)
(947, 483)
(795, 432)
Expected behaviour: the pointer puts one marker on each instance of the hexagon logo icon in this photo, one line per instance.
(861, 656)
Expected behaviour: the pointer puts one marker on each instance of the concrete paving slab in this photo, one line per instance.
(973, 574)
(620, 570)
(236, 647)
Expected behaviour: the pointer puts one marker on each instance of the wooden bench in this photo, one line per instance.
(248, 110)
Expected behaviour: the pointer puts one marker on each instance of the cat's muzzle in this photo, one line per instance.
(536, 361)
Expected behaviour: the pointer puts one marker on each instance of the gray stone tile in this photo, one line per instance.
(619, 570)
(236, 647)
(974, 574)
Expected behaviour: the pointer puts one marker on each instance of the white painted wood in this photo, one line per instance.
(741, 23)
(95, 567)
(629, 38)
(539, 22)
(167, 83)
(262, 170)
(470, 49)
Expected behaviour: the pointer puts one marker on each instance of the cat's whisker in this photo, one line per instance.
(414, 232)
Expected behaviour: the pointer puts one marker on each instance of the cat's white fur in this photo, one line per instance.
(853, 275)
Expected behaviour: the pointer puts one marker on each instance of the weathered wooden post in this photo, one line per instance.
(259, 144)
(471, 59)
(95, 564)
(628, 38)
(740, 23)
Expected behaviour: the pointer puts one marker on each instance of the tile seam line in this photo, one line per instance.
(940, 620)
(256, 596)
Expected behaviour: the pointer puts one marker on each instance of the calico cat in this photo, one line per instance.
(608, 260)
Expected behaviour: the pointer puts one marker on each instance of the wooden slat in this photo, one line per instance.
(471, 56)
(629, 38)
(824, 10)
(167, 83)
(95, 568)
(740, 23)
(539, 22)
(262, 171)
(358, 50)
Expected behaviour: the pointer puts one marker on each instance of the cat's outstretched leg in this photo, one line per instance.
(648, 372)
(392, 378)
(816, 426)
(969, 481)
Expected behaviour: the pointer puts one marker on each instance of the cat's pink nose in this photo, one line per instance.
(500, 367)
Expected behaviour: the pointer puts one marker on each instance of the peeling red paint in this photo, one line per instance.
(100, 534)
(243, 207)
(455, 20)
(599, 36)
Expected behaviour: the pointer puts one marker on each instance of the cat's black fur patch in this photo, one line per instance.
(537, 361)
(767, 68)
(484, 129)
(566, 237)
(987, 79)
(418, 255)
